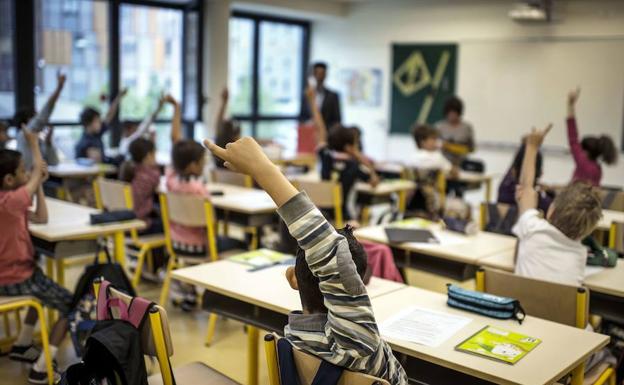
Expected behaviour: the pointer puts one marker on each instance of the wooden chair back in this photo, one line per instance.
(307, 366)
(325, 195)
(112, 194)
(221, 175)
(565, 304)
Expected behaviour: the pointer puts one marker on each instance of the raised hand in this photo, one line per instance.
(244, 156)
(123, 92)
(573, 96)
(60, 80)
(170, 99)
(225, 94)
(536, 137)
(44, 172)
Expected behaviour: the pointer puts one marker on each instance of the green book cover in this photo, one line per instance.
(414, 223)
(261, 257)
(499, 344)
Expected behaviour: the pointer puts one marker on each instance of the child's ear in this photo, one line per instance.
(7, 181)
(292, 278)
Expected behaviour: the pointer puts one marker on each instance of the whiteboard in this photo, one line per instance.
(509, 86)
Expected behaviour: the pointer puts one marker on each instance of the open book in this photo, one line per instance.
(499, 344)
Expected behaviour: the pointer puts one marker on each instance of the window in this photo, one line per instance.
(71, 36)
(7, 81)
(151, 58)
(267, 63)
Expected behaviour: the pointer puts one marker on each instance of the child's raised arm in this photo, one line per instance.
(572, 99)
(147, 122)
(114, 106)
(225, 96)
(526, 195)
(39, 170)
(176, 120)
(319, 123)
(246, 156)
(39, 122)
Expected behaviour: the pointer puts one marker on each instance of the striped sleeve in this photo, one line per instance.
(350, 324)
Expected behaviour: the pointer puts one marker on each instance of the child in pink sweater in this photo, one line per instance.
(587, 152)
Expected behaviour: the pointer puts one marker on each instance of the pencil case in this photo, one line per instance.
(112, 216)
(485, 304)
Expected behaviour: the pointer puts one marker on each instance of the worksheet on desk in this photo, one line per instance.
(423, 326)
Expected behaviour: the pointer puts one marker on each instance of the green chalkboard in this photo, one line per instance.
(423, 77)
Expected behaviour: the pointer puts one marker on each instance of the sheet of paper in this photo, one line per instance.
(423, 326)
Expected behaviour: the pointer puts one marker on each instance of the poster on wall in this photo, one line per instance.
(361, 87)
(423, 77)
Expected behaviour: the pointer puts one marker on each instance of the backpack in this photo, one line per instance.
(327, 374)
(83, 316)
(113, 353)
(597, 255)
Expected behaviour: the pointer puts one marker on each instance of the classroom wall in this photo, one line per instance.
(583, 32)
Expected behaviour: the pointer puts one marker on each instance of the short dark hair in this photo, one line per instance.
(9, 162)
(308, 283)
(600, 147)
(454, 104)
(184, 153)
(422, 132)
(23, 116)
(340, 137)
(87, 115)
(516, 166)
(319, 64)
(140, 148)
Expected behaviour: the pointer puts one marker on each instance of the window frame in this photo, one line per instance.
(24, 56)
(255, 116)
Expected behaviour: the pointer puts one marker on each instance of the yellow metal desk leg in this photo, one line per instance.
(488, 190)
(252, 355)
(402, 201)
(578, 375)
(120, 248)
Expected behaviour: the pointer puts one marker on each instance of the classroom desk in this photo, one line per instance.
(70, 222)
(369, 195)
(552, 359)
(457, 256)
(70, 170)
(609, 222)
(262, 299)
(299, 160)
(476, 178)
(606, 285)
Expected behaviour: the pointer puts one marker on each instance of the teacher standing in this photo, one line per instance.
(327, 100)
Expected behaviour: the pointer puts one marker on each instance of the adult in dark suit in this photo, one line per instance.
(327, 100)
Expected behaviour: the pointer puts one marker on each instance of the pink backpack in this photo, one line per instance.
(134, 313)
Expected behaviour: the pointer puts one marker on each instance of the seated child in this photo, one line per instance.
(337, 323)
(341, 158)
(228, 130)
(143, 173)
(507, 187)
(587, 152)
(19, 273)
(90, 144)
(425, 163)
(36, 122)
(550, 249)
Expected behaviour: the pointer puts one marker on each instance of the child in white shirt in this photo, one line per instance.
(550, 249)
(428, 155)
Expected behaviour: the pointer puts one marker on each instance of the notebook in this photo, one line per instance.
(400, 235)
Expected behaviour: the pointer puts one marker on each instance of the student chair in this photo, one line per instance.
(156, 342)
(307, 365)
(192, 211)
(221, 175)
(8, 304)
(325, 195)
(115, 195)
(565, 304)
(497, 217)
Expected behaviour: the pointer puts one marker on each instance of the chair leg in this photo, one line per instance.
(578, 375)
(139, 267)
(252, 355)
(50, 273)
(150, 261)
(164, 294)
(7, 325)
(212, 325)
(18, 321)
(45, 342)
(60, 271)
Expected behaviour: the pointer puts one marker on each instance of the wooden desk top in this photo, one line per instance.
(70, 221)
(562, 348)
(608, 281)
(501, 261)
(385, 187)
(239, 199)
(454, 246)
(608, 217)
(266, 288)
(473, 177)
(74, 170)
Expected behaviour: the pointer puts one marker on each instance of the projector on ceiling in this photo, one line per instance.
(532, 11)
